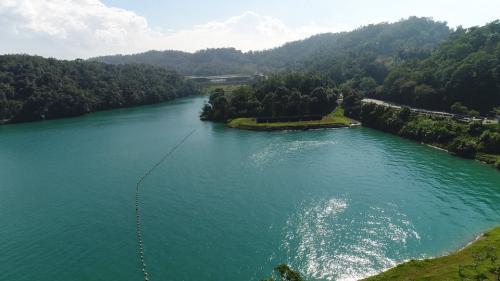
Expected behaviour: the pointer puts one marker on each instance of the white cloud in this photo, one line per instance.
(63, 28)
(84, 28)
(249, 31)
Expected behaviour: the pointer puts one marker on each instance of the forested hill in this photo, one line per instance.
(465, 69)
(371, 49)
(202, 63)
(35, 88)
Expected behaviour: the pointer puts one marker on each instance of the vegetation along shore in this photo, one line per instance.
(336, 119)
(448, 98)
(34, 88)
(477, 261)
(237, 205)
(474, 139)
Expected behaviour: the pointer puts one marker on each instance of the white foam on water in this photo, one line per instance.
(275, 151)
(323, 242)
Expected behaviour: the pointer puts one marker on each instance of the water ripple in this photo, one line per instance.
(276, 150)
(325, 241)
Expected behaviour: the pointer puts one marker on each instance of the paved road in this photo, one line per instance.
(429, 112)
(414, 109)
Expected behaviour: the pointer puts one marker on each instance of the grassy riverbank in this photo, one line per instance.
(478, 261)
(336, 119)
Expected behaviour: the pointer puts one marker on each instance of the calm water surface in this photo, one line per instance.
(228, 205)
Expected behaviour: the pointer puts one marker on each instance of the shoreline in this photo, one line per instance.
(480, 157)
(4, 122)
(335, 119)
(436, 147)
(288, 127)
(471, 242)
(488, 159)
(449, 266)
(250, 125)
(477, 238)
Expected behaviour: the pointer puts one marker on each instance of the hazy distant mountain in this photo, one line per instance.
(341, 54)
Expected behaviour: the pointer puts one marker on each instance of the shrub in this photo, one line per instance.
(490, 141)
(463, 146)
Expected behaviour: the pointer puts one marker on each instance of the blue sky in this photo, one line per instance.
(183, 14)
(85, 28)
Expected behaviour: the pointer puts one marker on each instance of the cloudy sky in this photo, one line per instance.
(84, 28)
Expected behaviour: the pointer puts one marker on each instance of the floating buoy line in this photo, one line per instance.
(138, 219)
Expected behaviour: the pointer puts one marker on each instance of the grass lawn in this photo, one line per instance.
(478, 261)
(337, 116)
(334, 119)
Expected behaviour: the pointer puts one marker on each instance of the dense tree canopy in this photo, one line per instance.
(415, 61)
(464, 139)
(462, 74)
(201, 63)
(366, 51)
(280, 95)
(34, 88)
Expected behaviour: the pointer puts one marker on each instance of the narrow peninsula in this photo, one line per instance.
(335, 119)
(281, 102)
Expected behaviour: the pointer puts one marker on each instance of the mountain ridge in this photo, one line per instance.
(407, 38)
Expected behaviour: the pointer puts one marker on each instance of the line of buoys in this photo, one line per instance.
(138, 218)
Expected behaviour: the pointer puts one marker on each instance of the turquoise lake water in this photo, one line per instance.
(336, 204)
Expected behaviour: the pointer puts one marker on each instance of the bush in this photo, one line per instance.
(285, 273)
(475, 128)
(463, 146)
(288, 274)
(490, 142)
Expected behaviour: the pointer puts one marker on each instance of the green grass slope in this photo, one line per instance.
(332, 120)
(478, 261)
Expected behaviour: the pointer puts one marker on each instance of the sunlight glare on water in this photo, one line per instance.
(329, 244)
(229, 204)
